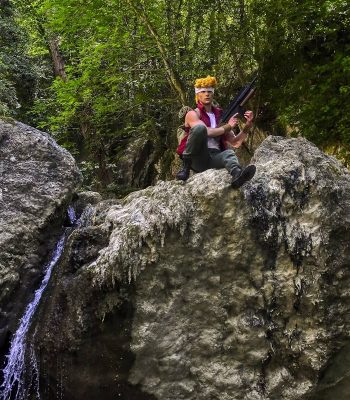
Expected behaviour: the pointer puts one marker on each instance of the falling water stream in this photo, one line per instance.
(15, 385)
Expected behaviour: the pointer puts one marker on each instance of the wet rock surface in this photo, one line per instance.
(37, 179)
(196, 291)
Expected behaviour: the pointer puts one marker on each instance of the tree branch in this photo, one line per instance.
(171, 72)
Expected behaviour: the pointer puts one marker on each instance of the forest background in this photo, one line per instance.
(102, 75)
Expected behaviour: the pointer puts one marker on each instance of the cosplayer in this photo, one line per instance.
(206, 144)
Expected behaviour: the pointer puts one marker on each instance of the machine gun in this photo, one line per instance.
(236, 106)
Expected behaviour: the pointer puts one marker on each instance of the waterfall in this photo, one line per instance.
(14, 384)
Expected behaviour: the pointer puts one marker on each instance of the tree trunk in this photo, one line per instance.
(58, 65)
(57, 59)
(241, 12)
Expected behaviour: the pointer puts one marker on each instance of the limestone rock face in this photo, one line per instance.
(37, 178)
(196, 291)
(135, 168)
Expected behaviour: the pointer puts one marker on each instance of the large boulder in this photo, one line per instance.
(37, 179)
(196, 291)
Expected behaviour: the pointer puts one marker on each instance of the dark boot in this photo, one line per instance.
(239, 177)
(184, 173)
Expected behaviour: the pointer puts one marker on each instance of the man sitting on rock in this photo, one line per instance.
(208, 145)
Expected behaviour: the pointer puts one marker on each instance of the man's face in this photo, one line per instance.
(205, 97)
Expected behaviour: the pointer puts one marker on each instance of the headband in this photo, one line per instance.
(203, 89)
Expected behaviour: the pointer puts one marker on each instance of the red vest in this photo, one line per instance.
(203, 116)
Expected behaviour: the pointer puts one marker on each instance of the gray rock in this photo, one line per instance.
(37, 179)
(86, 199)
(196, 291)
(135, 167)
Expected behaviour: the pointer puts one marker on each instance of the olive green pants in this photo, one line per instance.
(204, 158)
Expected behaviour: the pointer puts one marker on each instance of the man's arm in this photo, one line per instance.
(237, 140)
(192, 120)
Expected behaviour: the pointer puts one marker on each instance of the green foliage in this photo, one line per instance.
(17, 72)
(129, 64)
(320, 108)
(302, 50)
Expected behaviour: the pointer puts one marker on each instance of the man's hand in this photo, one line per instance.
(236, 141)
(249, 116)
(233, 121)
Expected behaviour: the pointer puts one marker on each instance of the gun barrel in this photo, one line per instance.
(242, 97)
(254, 80)
(247, 97)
